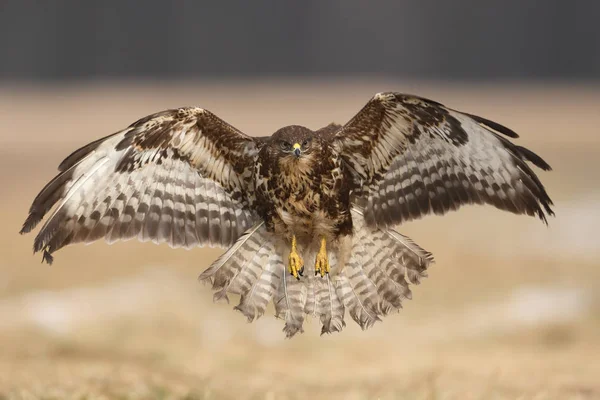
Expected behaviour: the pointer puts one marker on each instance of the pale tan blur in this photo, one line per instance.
(511, 309)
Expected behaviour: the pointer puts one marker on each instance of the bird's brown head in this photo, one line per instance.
(294, 146)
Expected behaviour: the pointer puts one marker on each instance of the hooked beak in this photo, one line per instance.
(297, 150)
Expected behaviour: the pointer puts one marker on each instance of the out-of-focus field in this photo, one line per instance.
(511, 308)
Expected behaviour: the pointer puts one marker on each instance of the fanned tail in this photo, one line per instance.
(373, 280)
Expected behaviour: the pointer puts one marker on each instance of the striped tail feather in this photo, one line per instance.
(357, 291)
(414, 259)
(323, 302)
(254, 302)
(361, 313)
(330, 305)
(387, 289)
(290, 303)
(235, 270)
(392, 266)
(310, 306)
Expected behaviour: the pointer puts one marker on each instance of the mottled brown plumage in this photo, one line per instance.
(187, 178)
(309, 195)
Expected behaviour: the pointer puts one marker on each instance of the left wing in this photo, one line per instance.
(179, 176)
(412, 156)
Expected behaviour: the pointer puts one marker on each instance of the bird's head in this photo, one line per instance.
(293, 146)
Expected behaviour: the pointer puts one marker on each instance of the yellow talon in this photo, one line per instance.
(322, 262)
(295, 262)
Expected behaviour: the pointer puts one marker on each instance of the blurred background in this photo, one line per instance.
(510, 309)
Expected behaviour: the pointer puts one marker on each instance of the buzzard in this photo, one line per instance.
(307, 217)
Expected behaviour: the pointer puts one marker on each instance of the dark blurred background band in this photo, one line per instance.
(460, 39)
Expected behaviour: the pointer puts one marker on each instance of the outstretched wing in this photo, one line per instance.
(179, 176)
(412, 156)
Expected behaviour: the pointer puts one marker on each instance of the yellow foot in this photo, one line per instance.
(295, 262)
(322, 261)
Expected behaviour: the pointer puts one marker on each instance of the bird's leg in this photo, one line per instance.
(295, 262)
(322, 261)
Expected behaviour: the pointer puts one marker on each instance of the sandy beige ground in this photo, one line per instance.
(511, 309)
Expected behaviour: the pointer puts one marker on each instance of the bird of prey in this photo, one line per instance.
(307, 217)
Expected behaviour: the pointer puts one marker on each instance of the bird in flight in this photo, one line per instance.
(307, 217)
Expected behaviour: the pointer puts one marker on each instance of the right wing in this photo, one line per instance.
(411, 157)
(178, 176)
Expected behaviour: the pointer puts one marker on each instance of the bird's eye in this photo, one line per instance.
(285, 145)
(306, 143)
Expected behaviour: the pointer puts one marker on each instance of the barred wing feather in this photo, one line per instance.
(411, 157)
(178, 177)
